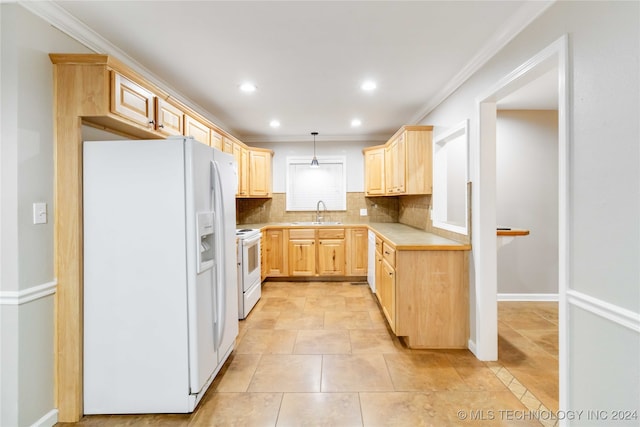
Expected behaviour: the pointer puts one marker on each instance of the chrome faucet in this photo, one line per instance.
(318, 217)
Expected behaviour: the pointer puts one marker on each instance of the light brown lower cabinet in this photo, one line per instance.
(356, 251)
(387, 293)
(331, 252)
(302, 252)
(314, 252)
(274, 253)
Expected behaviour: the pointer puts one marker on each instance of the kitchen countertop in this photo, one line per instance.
(402, 236)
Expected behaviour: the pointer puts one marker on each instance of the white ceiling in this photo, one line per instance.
(307, 58)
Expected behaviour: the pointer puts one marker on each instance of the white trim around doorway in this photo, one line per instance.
(485, 346)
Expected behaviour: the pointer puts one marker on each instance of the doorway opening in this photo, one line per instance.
(555, 56)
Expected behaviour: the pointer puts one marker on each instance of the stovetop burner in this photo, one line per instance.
(245, 233)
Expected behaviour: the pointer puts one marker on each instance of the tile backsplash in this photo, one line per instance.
(260, 211)
(409, 210)
(415, 211)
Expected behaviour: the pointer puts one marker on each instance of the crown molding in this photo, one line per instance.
(59, 18)
(525, 15)
(372, 138)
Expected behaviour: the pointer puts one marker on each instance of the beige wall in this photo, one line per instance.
(527, 197)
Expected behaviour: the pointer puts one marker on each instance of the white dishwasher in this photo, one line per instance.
(371, 261)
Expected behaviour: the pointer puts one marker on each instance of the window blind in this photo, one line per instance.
(306, 185)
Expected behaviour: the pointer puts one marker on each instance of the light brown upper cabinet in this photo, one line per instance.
(407, 165)
(227, 145)
(241, 155)
(198, 130)
(132, 101)
(260, 172)
(170, 118)
(216, 140)
(374, 171)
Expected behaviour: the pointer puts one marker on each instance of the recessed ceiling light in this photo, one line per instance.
(368, 85)
(274, 123)
(248, 87)
(355, 123)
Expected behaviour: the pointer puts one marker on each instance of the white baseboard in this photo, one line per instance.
(48, 420)
(472, 347)
(527, 297)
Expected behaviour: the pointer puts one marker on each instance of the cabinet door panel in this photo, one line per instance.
(132, 101)
(275, 250)
(388, 294)
(259, 173)
(379, 283)
(401, 164)
(227, 145)
(331, 260)
(374, 172)
(357, 244)
(242, 156)
(302, 257)
(199, 131)
(170, 118)
(216, 140)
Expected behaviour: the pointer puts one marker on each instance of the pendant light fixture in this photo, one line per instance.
(314, 162)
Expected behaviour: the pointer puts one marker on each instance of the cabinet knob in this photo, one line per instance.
(161, 126)
(152, 122)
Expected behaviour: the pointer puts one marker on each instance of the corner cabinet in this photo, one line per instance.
(403, 166)
(254, 170)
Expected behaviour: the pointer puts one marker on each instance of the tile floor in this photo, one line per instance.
(320, 354)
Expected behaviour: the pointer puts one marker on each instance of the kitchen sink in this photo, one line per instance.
(316, 223)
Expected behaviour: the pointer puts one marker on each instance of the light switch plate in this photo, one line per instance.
(40, 213)
(363, 212)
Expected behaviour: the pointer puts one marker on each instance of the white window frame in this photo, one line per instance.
(336, 203)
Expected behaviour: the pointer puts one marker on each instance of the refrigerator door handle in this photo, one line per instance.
(221, 270)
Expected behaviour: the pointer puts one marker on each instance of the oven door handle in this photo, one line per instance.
(251, 241)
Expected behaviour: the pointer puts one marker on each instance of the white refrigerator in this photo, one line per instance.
(160, 282)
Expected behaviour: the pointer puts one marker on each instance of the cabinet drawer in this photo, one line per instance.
(389, 253)
(331, 233)
(302, 233)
